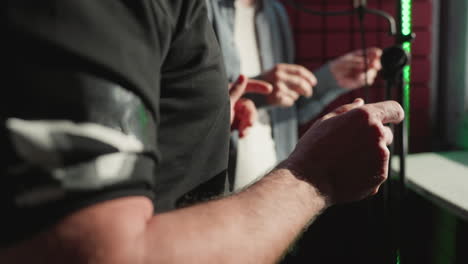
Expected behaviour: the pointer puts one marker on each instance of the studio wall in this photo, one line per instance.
(319, 39)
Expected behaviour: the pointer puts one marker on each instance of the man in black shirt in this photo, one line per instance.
(118, 108)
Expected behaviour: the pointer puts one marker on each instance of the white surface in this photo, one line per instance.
(256, 153)
(440, 177)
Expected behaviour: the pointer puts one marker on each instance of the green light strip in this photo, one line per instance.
(406, 29)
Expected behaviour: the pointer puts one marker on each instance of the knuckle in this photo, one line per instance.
(381, 156)
(346, 108)
(364, 114)
(278, 96)
(277, 75)
(278, 67)
(376, 189)
(314, 81)
(378, 180)
(389, 135)
(302, 70)
(377, 132)
(381, 178)
(287, 102)
(384, 153)
(278, 87)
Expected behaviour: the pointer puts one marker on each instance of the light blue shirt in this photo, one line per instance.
(276, 45)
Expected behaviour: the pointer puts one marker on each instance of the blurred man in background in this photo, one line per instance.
(256, 40)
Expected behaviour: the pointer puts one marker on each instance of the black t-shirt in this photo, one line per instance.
(150, 71)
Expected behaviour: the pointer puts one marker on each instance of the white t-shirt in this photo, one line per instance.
(256, 153)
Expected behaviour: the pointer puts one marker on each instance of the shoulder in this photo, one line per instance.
(276, 10)
(278, 7)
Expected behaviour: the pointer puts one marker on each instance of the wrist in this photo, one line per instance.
(333, 67)
(316, 191)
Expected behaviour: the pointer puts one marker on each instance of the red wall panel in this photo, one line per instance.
(319, 39)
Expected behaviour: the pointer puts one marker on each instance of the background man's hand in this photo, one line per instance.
(243, 111)
(289, 82)
(349, 69)
(344, 154)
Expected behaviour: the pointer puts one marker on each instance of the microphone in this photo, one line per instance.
(360, 3)
(360, 6)
(393, 60)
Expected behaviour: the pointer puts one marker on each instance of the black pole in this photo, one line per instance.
(394, 61)
(388, 191)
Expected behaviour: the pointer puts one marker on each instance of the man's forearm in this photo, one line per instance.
(254, 226)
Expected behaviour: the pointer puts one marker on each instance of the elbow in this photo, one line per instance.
(111, 232)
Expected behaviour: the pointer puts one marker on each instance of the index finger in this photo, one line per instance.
(358, 102)
(302, 72)
(260, 87)
(388, 112)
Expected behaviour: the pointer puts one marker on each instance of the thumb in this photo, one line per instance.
(358, 102)
(237, 89)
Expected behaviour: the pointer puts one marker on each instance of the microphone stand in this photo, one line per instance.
(361, 10)
(394, 60)
(359, 7)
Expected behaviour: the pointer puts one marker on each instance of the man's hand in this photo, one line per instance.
(349, 69)
(243, 111)
(344, 154)
(289, 82)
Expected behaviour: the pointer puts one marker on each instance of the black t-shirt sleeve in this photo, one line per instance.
(96, 90)
(194, 104)
(124, 41)
(79, 119)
